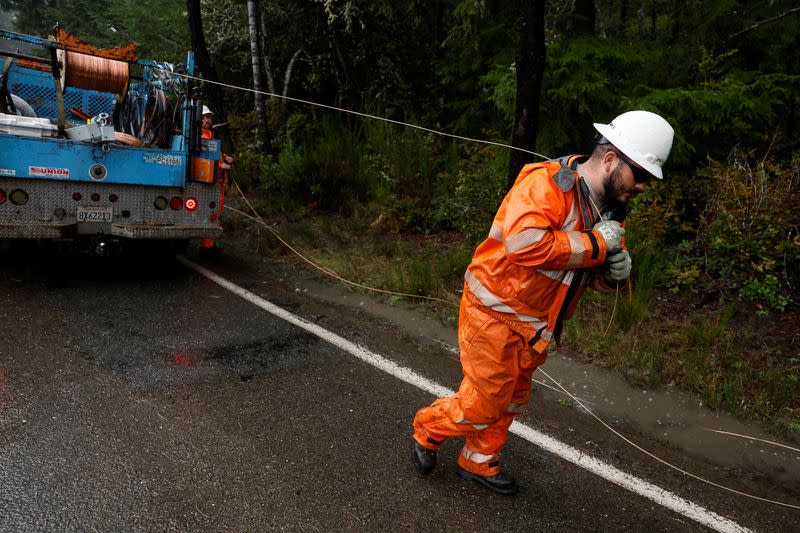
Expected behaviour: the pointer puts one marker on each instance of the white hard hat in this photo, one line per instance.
(646, 138)
(207, 111)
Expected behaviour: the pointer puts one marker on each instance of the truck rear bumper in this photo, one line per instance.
(46, 230)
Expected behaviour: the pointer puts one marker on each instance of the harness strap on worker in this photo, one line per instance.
(588, 217)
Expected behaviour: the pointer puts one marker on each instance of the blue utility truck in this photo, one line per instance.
(100, 150)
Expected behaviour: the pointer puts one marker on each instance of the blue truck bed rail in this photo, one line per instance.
(136, 169)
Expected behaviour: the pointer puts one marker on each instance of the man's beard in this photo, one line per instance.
(613, 189)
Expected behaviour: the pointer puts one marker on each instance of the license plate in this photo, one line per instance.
(94, 213)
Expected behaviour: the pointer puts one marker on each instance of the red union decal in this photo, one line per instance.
(47, 171)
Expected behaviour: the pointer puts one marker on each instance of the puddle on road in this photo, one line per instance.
(672, 416)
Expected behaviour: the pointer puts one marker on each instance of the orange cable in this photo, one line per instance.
(753, 438)
(662, 461)
(333, 274)
(322, 268)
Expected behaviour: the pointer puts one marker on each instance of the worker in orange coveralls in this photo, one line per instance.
(558, 230)
(206, 132)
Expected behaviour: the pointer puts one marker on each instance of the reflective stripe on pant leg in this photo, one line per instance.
(432, 424)
(489, 359)
(479, 427)
(478, 463)
(445, 417)
(488, 384)
(491, 440)
(477, 457)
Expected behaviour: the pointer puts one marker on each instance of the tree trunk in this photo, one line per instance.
(641, 19)
(264, 48)
(623, 18)
(584, 17)
(203, 60)
(601, 20)
(348, 90)
(653, 17)
(439, 13)
(288, 75)
(255, 54)
(675, 20)
(531, 58)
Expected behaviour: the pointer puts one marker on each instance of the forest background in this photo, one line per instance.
(713, 306)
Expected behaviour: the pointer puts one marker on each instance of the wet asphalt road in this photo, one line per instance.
(138, 397)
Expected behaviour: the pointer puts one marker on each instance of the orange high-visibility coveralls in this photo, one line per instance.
(206, 133)
(523, 281)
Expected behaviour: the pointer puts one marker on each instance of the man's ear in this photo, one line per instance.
(608, 160)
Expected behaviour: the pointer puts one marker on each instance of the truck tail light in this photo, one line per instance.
(161, 203)
(2, 196)
(76, 196)
(18, 197)
(191, 204)
(176, 202)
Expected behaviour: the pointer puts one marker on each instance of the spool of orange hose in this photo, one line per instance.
(95, 73)
(124, 138)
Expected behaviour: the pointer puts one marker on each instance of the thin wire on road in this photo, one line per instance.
(637, 485)
(468, 139)
(561, 388)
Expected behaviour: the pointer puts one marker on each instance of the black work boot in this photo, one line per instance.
(499, 483)
(424, 458)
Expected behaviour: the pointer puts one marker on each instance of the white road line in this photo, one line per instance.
(652, 492)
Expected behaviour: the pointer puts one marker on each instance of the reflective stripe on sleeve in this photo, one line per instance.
(493, 302)
(496, 232)
(594, 243)
(557, 275)
(578, 249)
(523, 239)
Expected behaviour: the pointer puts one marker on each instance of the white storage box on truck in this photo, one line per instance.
(27, 126)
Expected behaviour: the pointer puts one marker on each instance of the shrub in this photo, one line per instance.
(747, 242)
